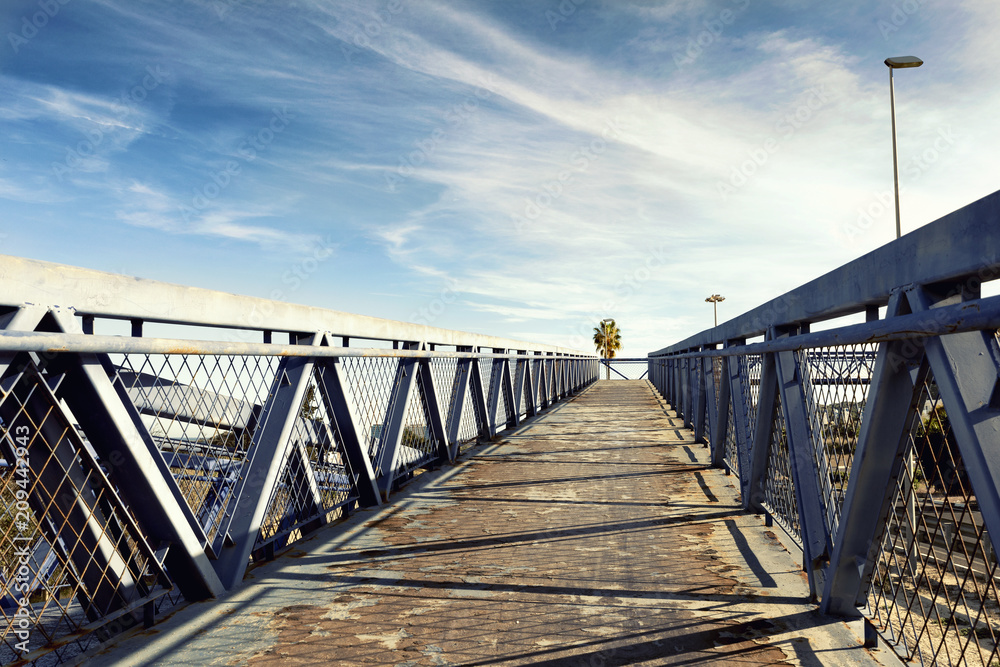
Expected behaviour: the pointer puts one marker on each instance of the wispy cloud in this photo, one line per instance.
(530, 172)
(144, 206)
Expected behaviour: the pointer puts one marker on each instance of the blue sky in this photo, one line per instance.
(516, 168)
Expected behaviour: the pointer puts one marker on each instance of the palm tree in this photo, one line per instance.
(607, 340)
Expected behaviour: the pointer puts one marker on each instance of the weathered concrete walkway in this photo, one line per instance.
(594, 535)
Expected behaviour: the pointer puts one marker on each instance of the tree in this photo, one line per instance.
(607, 340)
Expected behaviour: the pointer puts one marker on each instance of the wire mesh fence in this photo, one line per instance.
(624, 369)
(731, 452)
(75, 568)
(316, 478)
(298, 441)
(838, 379)
(929, 578)
(201, 411)
(934, 590)
(779, 483)
(370, 382)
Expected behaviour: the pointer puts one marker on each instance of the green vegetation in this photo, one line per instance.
(417, 437)
(936, 422)
(607, 340)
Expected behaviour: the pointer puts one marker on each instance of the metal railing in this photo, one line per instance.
(139, 472)
(873, 445)
(624, 369)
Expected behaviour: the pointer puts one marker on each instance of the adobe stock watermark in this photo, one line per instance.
(126, 104)
(301, 271)
(23, 620)
(901, 13)
(429, 313)
(32, 23)
(786, 127)
(551, 191)
(223, 7)
(254, 143)
(111, 287)
(883, 202)
(425, 148)
(371, 29)
(628, 285)
(562, 12)
(714, 27)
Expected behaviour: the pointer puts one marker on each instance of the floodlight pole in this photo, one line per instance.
(714, 300)
(892, 64)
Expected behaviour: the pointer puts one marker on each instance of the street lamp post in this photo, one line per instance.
(714, 300)
(903, 62)
(899, 62)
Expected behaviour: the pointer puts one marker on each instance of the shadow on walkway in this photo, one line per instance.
(595, 534)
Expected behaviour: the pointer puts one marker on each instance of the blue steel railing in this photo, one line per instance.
(624, 368)
(875, 446)
(137, 472)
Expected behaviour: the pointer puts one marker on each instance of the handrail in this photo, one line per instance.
(874, 444)
(107, 295)
(137, 472)
(963, 245)
(56, 343)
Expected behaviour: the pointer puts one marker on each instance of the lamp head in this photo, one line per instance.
(901, 62)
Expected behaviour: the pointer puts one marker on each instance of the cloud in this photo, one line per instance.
(532, 172)
(145, 206)
(650, 181)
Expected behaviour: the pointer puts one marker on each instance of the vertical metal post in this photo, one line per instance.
(496, 387)
(560, 377)
(333, 390)
(711, 406)
(435, 410)
(685, 386)
(805, 477)
(664, 373)
(668, 380)
(477, 393)
(462, 371)
(520, 372)
(668, 372)
(392, 432)
(529, 383)
(691, 377)
(507, 384)
(896, 379)
(260, 475)
(720, 433)
(698, 399)
(675, 374)
(138, 470)
(538, 383)
(544, 383)
(966, 368)
(742, 437)
(757, 454)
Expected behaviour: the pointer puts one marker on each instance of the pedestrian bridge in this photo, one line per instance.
(813, 476)
(594, 533)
